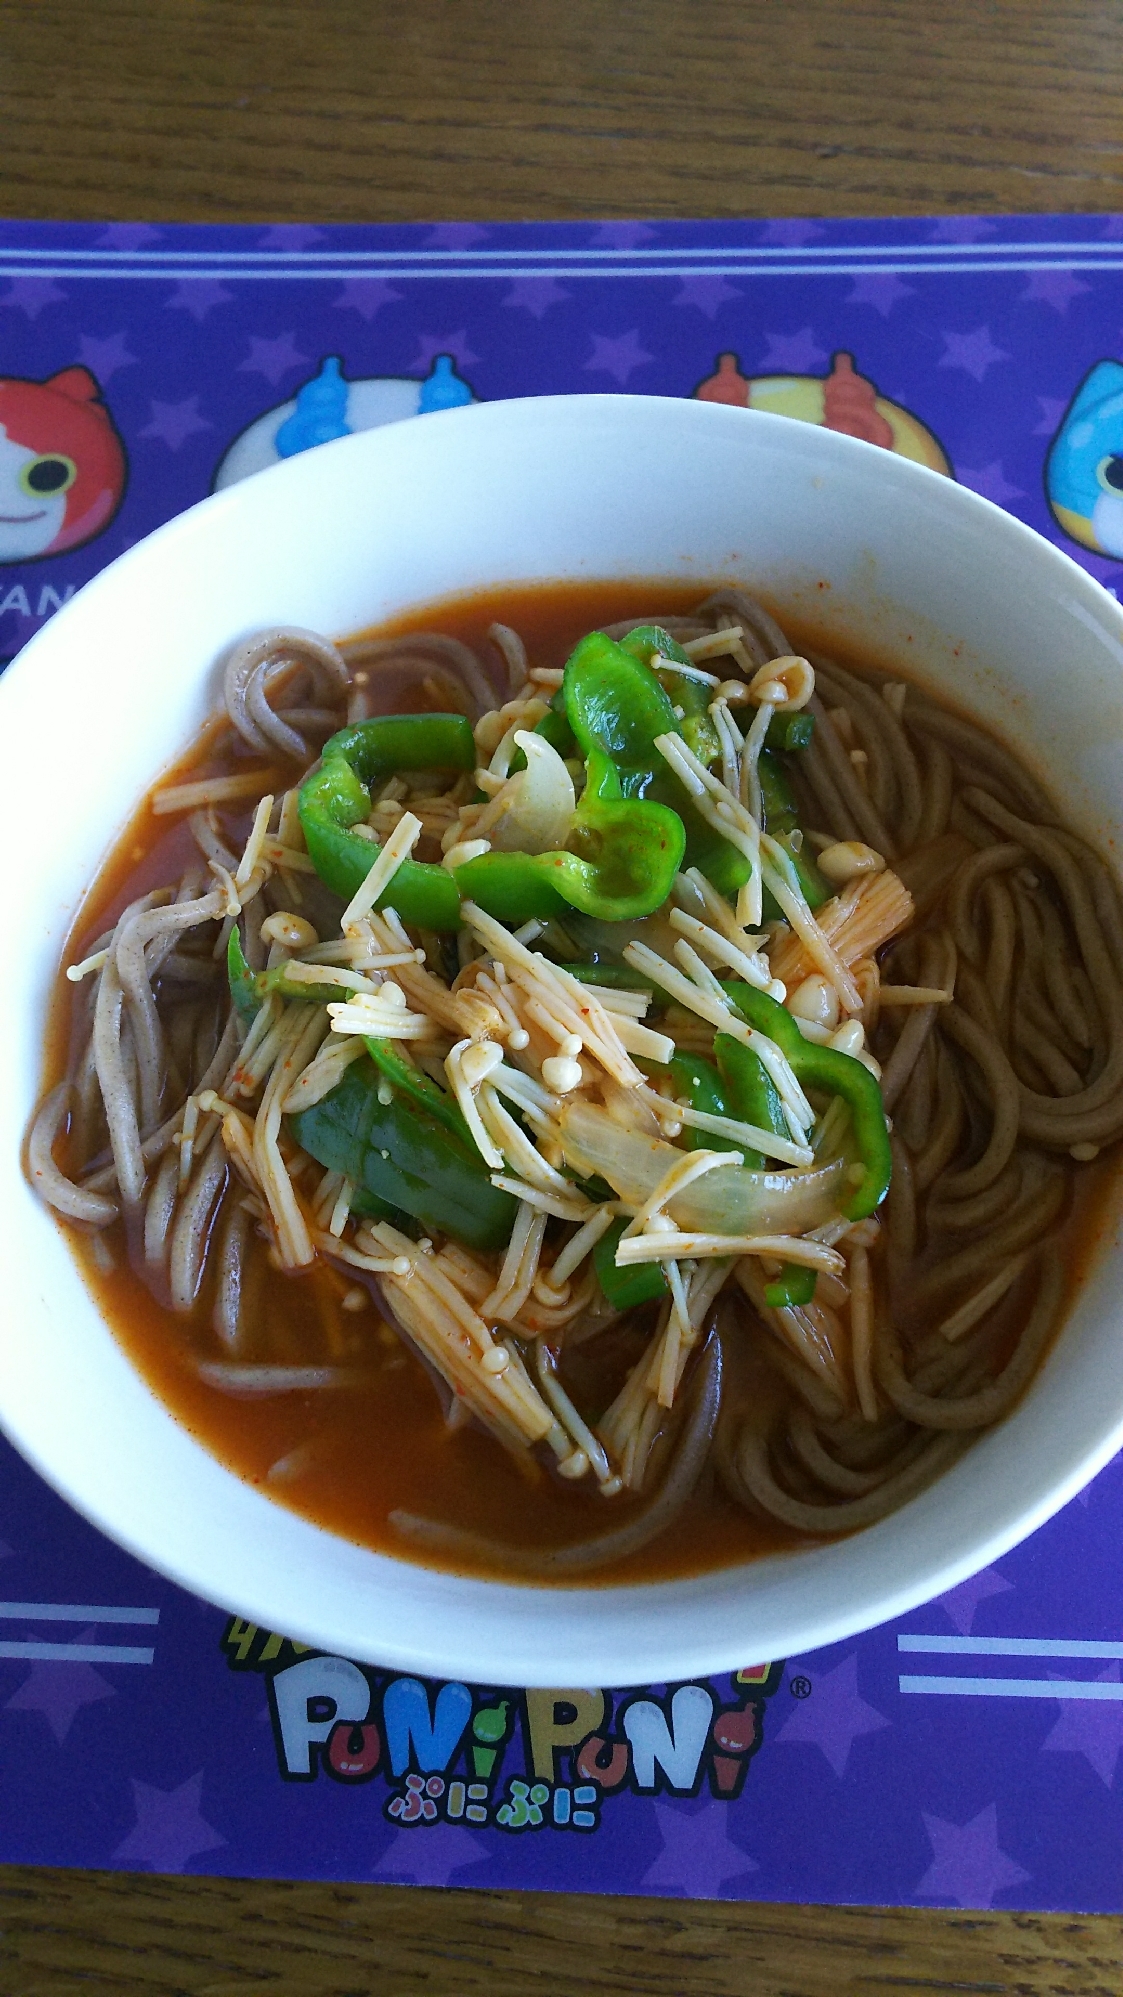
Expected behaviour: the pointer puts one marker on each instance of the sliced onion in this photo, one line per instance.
(534, 810)
(731, 1201)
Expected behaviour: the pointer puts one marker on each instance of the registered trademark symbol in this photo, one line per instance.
(800, 1688)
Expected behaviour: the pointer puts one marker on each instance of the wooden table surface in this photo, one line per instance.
(362, 110)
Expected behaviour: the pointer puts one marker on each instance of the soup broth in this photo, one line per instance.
(324, 1403)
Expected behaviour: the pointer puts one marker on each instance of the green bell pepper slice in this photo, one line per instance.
(554, 729)
(624, 849)
(785, 731)
(623, 858)
(241, 980)
(781, 819)
(751, 1092)
(614, 977)
(699, 1082)
(790, 731)
(756, 1100)
(418, 1086)
(336, 797)
(616, 708)
(616, 703)
(693, 696)
(724, 866)
(249, 988)
(794, 1286)
(639, 1283)
(402, 1156)
(833, 1074)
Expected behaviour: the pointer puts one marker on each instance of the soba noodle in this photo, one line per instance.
(971, 956)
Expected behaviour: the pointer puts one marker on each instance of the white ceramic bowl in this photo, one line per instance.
(575, 487)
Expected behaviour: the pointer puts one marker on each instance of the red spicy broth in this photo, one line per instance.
(347, 1459)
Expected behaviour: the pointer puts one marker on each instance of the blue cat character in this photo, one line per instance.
(320, 414)
(332, 405)
(443, 388)
(1084, 468)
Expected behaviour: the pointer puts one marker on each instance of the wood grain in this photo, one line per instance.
(361, 110)
(74, 1934)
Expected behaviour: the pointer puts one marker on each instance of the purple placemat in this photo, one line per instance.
(967, 1757)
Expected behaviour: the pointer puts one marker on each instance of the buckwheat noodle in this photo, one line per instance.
(1003, 1080)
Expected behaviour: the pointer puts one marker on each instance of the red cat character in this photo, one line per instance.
(62, 464)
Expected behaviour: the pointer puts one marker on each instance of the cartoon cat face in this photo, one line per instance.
(1084, 470)
(33, 489)
(62, 465)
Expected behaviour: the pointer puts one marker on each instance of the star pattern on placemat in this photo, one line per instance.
(199, 296)
(295, 236)
(273, 358)
(880, 288)
(59, 1690)
(792, 232)
(792, 353)
(620, 235)
(991, 481)
(618, 357)
(961, 229)
(973, 352)
(456, 236)
(709, 294)
(129, 236)
(366, 296)
(698, 1854)
(174, 422)
(432, 344)
(1052, 409)
(1057, 288)
(1091, 1727)
(429, 1857)
(105, 358)
(170, 1828)
(31, 295)
(968, 1865)
(834, 1715)
(536, 294)
(961, 1604)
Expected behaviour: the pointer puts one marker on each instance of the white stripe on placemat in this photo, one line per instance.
(73, 1612)
(78, 1653)
(1009, 1646)
(1016, 1688)
(854, 262)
